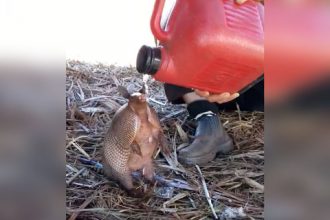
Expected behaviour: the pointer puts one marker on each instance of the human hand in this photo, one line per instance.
(219, 98)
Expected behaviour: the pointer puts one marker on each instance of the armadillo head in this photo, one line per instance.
(138, 102)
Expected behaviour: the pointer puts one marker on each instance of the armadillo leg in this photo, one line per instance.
(149, 171)
(126, 180)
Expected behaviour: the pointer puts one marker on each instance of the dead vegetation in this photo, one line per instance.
(234, 182)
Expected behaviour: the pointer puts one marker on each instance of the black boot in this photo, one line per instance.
(210, 139)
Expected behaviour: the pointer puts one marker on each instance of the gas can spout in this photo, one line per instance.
(148, 60)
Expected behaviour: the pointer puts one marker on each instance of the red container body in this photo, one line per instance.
(213, 45)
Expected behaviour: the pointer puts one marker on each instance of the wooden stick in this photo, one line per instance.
(75, 176)
(82, 207)
(254, 184)
(206, 192)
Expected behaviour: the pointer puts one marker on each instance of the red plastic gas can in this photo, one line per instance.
(212, 45)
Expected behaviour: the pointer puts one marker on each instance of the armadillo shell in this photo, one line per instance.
(120, 136)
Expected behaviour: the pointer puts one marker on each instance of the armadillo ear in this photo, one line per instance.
(123, 91)
(143, 90)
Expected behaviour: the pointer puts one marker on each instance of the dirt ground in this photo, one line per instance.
(235, 182)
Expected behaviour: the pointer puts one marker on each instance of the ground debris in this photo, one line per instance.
(235, 182)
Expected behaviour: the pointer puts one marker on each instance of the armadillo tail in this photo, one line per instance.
(126, 181)
(123, 177)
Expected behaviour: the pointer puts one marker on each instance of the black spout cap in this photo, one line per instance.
(148, 60)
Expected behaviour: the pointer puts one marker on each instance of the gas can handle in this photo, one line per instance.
(156, 28)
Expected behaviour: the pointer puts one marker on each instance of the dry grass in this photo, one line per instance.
(233, 181)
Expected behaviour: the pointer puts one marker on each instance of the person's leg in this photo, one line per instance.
(175, 93)
(210, 136)
(251, 100)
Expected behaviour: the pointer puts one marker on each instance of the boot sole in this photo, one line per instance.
(203, 160)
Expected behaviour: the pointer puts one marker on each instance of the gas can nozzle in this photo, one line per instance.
(148, 60)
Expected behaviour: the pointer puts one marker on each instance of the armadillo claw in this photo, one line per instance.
(136, 193)
(149, 172)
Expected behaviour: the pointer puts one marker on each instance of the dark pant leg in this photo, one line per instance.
(175, 93)
(251, 100)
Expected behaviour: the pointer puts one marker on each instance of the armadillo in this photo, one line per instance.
(132, 139)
